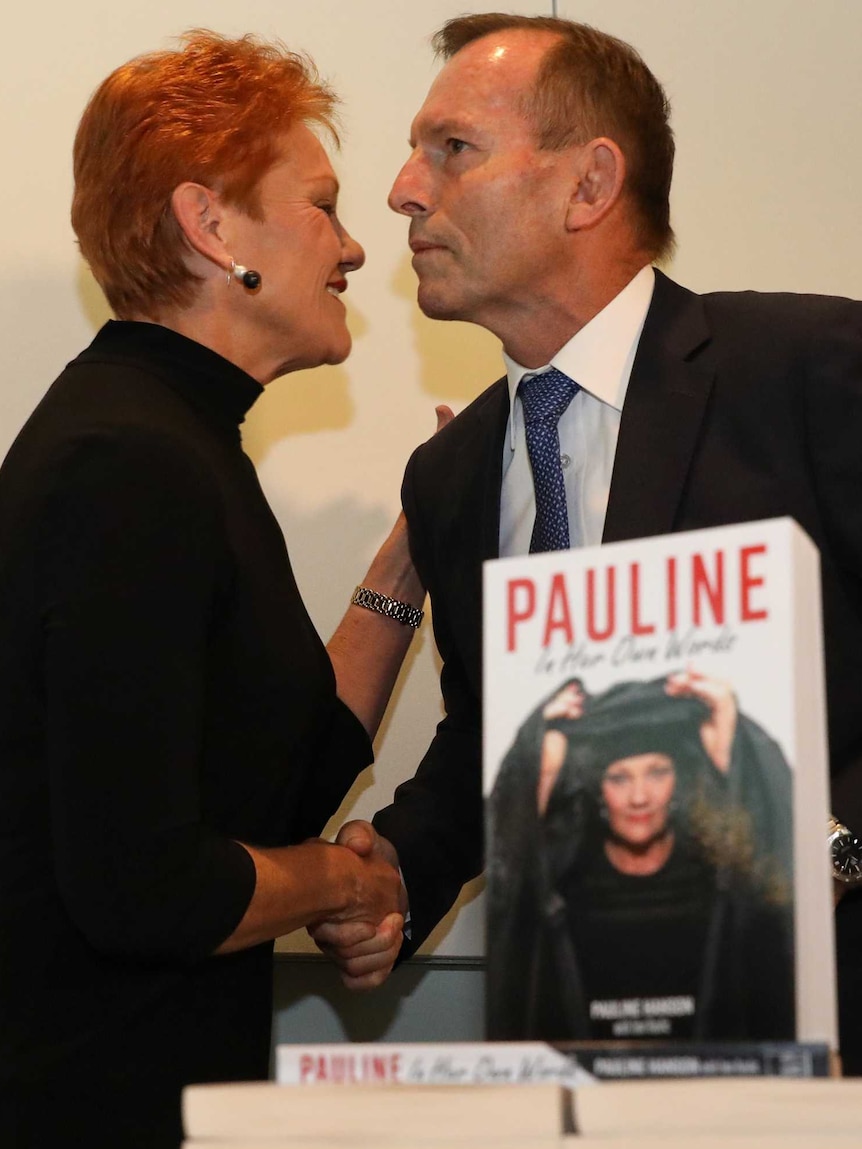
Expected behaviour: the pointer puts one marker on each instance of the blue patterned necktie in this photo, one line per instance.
(544, 399)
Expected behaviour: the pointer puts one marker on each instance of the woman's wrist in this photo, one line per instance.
(396, 609)
(392, 572)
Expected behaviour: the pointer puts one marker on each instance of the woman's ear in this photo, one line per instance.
(601, 176)
(198, 211)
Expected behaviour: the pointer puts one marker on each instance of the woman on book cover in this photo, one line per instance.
(640, 870)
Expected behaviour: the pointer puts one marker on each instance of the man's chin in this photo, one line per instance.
(436, 305)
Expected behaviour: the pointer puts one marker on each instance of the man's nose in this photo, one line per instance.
(409, 195)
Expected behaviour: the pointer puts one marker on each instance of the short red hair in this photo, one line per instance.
(212, 112)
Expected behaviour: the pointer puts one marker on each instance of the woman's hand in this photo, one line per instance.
(568, 703)
(444, 415)
(719, 729)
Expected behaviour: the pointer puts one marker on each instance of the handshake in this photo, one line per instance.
(364, 939)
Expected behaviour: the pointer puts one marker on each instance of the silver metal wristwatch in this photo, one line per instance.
(845, 851)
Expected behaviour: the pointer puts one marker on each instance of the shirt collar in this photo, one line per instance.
(600, 356)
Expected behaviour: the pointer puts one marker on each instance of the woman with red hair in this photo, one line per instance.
(173, 733)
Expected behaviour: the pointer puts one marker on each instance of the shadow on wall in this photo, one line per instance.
(456, 360)
(416, 1003)
(93, 304)
(356, 1016)
(330, 547)
(303, 404)
(470, 902)
(308, 402)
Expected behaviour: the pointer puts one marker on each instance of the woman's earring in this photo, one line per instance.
(250, 280)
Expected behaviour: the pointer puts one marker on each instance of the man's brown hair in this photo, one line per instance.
(591, 84)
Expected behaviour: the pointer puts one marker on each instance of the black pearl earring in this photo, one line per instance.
(251, 280)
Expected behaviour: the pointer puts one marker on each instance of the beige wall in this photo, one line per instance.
(766, 102)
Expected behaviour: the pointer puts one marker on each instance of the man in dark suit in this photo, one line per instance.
(537, 192)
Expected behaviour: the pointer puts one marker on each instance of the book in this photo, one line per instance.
(428, 1063)
(764, 1114)
(532, 1062)
(810, 1113)
(407, 1138)
(650, 1061)
(375, 1115)
(656, 785)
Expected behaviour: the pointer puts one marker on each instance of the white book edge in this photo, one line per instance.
(816, 1010)
(814, 1109)
(432, 1113)
(359, 1141)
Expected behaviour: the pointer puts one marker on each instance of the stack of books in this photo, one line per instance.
(768, 1114)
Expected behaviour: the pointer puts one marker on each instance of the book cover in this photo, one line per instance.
(656, 788)
(651, 1060)
(571, 1065)
(428, 1063)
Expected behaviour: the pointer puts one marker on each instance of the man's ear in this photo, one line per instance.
(198, 211)
(601, 176)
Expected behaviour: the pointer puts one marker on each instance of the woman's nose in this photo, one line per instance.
(352, 253)
(638, 792)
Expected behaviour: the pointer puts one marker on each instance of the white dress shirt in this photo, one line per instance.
(599, 359)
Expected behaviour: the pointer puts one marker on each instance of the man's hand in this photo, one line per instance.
(364, 964)
(364, 952)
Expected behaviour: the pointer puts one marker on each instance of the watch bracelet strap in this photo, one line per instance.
(392, 608)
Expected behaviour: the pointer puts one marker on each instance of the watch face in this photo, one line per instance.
(847, 857)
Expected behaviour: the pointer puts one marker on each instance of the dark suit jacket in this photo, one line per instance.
(741, 406)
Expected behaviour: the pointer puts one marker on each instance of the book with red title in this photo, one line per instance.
(515, 1063)
(656, 785)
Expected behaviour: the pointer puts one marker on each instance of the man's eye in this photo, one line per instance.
(456, 146)
(327, 208)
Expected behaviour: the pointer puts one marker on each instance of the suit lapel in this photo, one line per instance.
(666, 400)
(471, 527)
(495, 419)
(475, 521)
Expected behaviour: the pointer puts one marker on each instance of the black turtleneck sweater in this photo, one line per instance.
(163, 696)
